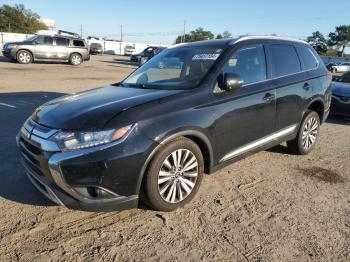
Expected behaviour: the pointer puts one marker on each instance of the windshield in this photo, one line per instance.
(175, 68)
(29, 39)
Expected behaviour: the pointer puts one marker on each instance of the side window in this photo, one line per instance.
(78, 43)
(284, 60)
(248, 62)
(62, 41)
(44, 40)
(308, 59)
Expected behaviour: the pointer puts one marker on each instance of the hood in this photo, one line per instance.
(92, 109)
(17, 43)
(341, 89)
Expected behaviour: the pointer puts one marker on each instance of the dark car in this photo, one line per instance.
(145, 56)
(96, 49)
(60, 48)
(341, 96)
(153, 135)
(137, 56)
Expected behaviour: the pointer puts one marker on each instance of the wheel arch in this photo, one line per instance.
(196, 136)
(318, 106)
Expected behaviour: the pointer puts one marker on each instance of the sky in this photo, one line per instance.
(159, 22)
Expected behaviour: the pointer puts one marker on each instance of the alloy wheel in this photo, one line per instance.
(76, 59)
(178, 176)
(24, 57)
(310, 133)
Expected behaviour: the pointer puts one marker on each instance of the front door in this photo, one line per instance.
(44, 48)
(245, 117)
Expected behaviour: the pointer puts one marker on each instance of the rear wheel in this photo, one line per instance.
(307, 136)
(24, 57)
(75, 59)
(174, 175)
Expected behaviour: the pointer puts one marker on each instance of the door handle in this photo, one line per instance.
(268, 97)
(306, 86)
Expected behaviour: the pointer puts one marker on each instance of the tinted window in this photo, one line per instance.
(307, 57)
(62, 41)
(345, 78)
(78, 43)
(249, 63)
(284, 60)
(44, 40)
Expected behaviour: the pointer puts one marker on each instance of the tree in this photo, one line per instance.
(17, 19)
(318, 42)
(225, 34)
(196, 35)
(340, 38)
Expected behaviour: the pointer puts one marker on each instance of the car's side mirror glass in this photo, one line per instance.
(229, 81)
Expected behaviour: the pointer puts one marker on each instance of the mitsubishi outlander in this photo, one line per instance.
(190, 110)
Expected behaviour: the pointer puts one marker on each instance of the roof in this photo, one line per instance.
(231, 41)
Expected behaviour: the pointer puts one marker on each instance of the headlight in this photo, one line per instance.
(11, 46)
(69, 140)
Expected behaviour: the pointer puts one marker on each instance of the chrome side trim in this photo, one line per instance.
(45, 145)
(259, 142)
(42, 134)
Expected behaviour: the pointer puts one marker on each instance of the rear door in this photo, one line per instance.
(293, 86)
(245, 117)
(44, 47)
(61, 50)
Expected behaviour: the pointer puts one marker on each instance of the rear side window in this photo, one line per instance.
(62, 41)
(308, 59)
(249, 63)
(78, 43)
(284, 60)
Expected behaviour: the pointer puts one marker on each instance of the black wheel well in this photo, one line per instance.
(318, 107)
(75, 53)
(204, 149)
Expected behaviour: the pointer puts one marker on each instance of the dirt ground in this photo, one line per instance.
(272, 206)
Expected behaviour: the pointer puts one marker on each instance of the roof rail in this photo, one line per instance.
(62, 32)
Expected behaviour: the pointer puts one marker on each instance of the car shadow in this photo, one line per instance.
(15, 108)
(4, 59)
(338, 120)
(279, 149)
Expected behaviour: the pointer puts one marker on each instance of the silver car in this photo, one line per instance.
(48, 48)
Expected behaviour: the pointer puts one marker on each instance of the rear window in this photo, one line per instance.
(62, 41)
(308, 59)
(78, 43)
(284, 60)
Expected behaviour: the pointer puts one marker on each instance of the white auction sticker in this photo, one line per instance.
(205, 57)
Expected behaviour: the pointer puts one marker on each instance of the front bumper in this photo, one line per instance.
(340, 107)
(67, 178)
(9, 53)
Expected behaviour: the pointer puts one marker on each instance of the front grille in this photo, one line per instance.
(32, 154)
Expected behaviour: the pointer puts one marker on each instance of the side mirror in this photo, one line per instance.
(229, 81)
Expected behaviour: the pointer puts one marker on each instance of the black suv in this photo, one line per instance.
(189, 110)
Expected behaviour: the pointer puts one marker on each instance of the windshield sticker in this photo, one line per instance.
(205, 57)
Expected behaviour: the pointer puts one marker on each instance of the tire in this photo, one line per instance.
(24, 57)
(307, 136)
(75, 59)
(169, 186)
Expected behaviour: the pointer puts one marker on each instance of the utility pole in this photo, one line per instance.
(81, 31)
(121, 33)
(9, 27)
(184, 33)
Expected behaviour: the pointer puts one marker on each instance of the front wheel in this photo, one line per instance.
(75, 59)
(24, 57)
(307, 136)
(174, 175)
